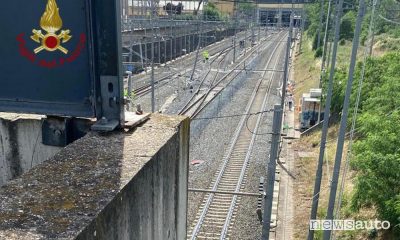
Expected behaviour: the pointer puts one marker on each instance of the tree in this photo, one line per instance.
(339, 84)
(347, 25)
(211, 13)
(377, 163)
(377, 151)
(246, 8)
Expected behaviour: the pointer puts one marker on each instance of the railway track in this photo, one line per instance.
(193, 101)
(217, 213)
(198, 102)
(141, 91)
(215, 51)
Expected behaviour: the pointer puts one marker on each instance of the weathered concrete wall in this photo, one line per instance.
(21, 145)
(116, 186)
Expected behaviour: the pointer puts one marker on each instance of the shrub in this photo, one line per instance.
(315, 41)
(347, 26)
(318, 53)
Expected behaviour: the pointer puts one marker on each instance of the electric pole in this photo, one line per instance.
(275, 140)
(234, 36)
(321, 16)
(303, 20)
(153, 102)
(318, 175)
(200, 29)
(354, 119)
(322, 71)
(325, 43)
(343, 121)
(371, 27)
(287, 59)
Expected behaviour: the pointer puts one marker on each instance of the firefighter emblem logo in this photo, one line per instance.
(53, 36)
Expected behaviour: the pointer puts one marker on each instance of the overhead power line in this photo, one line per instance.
(389, 20)
(318, 177)
(343, 123)
(234, 115)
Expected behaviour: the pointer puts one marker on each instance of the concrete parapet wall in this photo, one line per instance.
(21, 145)
(124, 185)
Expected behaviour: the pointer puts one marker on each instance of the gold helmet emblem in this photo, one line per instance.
(51, 23)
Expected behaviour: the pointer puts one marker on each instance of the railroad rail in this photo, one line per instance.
(217, 211)
(196, 105)
(143, 90)
(192, 101)
(215, 51)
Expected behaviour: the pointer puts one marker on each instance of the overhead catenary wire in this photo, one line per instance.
(354, 118)
(271, 110)
(318, 178)
(255, 133)
(151, 25)
(233, 115)
(389, 20)
(276, 127)
(343, 122)
(357, 129)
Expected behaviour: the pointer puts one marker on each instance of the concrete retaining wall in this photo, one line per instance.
(116, 186)
(21, 145)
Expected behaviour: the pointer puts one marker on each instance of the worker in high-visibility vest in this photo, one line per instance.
(206, 56)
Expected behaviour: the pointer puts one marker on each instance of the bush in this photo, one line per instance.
(318, 53)
(339, 84)
(377, 158)
(315, 41)
(312, 30)
(395, 32)
(347, 26)
(211, 13)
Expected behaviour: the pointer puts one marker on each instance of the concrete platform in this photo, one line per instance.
(123, 185)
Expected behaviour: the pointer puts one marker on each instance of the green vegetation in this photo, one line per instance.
(318, 52)
(306, 69)
(312, 13)
(126, 94)
(377, 155)
(374, 189)
(347, 25)
(386, 42)
(247, 8)
(348, 20)
(211, 13)
(377, 148)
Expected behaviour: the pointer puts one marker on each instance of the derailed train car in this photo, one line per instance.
(310, 108)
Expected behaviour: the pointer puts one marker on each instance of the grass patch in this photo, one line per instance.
(306, 69)
(385, 43)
